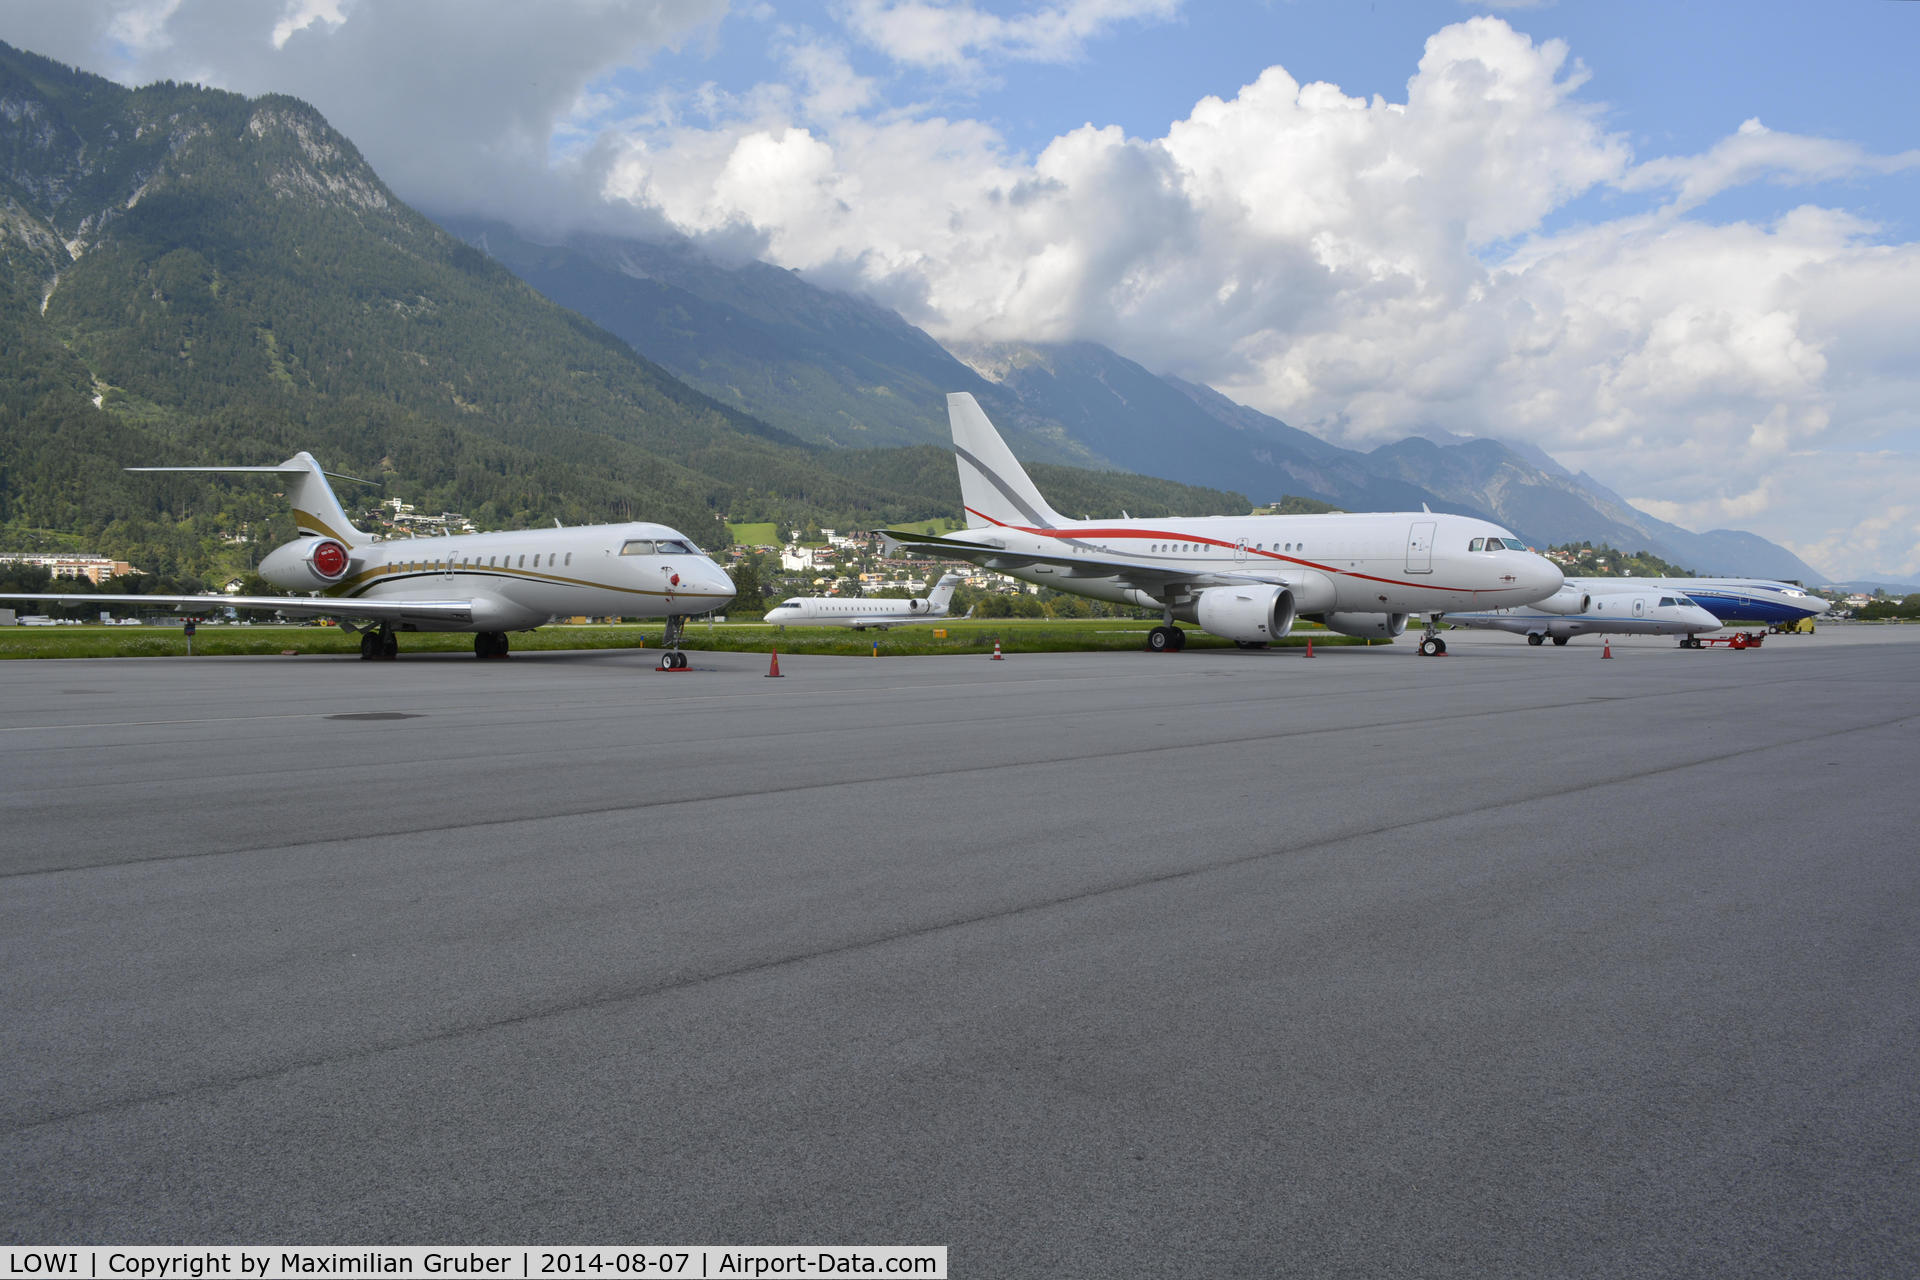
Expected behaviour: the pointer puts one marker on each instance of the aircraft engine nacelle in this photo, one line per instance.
(308, 563)
(915, 606)
(1565, 602)
(1367, 626)
(1251, 614)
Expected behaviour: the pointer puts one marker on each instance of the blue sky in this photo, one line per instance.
(1675, 245)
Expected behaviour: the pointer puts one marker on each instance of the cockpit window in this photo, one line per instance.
(1478, 544)
(1668, 602)
(637, 547)
(676, 547)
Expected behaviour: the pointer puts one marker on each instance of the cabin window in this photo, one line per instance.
(523, 562)
(569, 557)
(637, 547)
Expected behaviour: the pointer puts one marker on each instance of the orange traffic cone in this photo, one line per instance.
(774, 670)
(996, 652)
(1608, 651)
(1309, 646)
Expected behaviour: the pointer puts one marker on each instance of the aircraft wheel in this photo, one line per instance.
(1179, 639)
(1161, 640)
(483, 644)
(369, 647)
(1439, 646)
(1534, 637)
(1429, 646)
(1561, 640)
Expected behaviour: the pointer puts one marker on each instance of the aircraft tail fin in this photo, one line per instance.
(993, 485)
(942, 592)
(315, 509)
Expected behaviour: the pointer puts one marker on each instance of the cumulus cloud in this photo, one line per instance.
(1755, 152)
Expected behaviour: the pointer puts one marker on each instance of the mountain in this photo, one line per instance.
(192, 276)
(834, 369)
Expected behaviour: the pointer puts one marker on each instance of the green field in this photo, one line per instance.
(754, 535)
(975, 636)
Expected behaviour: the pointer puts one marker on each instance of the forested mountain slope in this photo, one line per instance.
(194, 277)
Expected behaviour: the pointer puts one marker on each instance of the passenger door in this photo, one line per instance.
(1420, 547)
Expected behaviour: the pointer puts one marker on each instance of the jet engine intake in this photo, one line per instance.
(1369, 626)
(1566, 601)
(1252, 614)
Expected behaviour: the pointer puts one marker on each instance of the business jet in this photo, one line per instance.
(1746, 599)
(831, 611)
(486, 583)
(1244, 578)
(1599, 606)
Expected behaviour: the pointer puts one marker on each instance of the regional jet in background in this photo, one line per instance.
(1599, 606)
(832, 611)
(1746, 599)
(1245, 578)
(486, 583)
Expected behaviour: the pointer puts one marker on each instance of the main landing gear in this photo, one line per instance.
(1536, 637)
(673, 659)
(379, 646)
(490, 644)
(1166, 639)
(1431, 645)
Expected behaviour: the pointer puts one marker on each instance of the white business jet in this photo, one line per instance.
(486, 583)
(1600, 606)
(831, 611)
(1245, 578)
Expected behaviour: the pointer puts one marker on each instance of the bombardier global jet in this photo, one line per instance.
(1244, 578)
(486, 583)
(861, 614)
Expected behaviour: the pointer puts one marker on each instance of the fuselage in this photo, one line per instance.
(521, 578)
(1746, 599)
(832, 611)
(1375, 563)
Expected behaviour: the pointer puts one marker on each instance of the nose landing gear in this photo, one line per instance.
(1431, 645)
(673, 659)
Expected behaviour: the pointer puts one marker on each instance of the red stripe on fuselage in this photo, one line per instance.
(1066, 535)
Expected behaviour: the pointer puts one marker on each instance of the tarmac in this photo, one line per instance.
(1516, 962)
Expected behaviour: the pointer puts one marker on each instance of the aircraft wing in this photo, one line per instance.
(1140, 575)
(386, 610)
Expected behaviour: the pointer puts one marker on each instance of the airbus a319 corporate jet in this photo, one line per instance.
(1245, 578)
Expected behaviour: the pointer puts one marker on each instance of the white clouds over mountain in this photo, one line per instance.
(1361, 267)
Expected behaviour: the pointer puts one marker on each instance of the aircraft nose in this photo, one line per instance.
(1543, 577)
